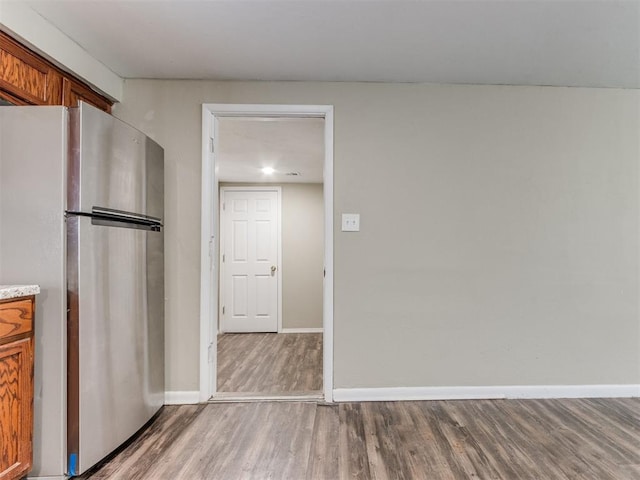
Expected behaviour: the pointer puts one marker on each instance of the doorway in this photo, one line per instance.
(214, 306)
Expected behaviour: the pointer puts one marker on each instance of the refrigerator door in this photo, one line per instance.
(115, 276)
(116, 336)
(113, 165)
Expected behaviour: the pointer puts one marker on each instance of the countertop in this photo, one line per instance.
(8, 292)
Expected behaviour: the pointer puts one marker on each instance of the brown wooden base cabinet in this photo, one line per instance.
(16, 387)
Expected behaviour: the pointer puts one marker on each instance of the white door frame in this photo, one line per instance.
(210, 243)
(263, 188)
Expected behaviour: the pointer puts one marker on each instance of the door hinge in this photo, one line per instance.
(224, 257)
(223, 310)
(210, 352)
(211, 252)
(224, 206)
(211, 147)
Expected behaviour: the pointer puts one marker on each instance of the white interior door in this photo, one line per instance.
(250, 261)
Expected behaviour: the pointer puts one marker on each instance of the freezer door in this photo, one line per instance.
(116, 336)
(112, 165)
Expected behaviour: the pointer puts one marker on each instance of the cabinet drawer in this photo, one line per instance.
(16, 317)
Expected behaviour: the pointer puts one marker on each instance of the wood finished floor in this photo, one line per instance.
(596, 439)
(269, 362)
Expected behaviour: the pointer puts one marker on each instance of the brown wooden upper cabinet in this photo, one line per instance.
(28, 79)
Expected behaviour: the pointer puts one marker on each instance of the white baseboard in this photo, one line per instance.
(476, 393)
(302, 330)
(182, 398)
(574, 391)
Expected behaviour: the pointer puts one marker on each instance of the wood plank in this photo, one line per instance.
(353, 461)
(323, 455)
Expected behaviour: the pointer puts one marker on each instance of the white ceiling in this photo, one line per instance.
(246, 145)
(521, 42)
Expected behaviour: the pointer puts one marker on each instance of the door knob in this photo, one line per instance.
(273, 269)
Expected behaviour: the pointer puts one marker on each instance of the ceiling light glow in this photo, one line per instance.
(268, 170)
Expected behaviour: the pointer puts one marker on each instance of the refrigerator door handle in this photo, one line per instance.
(119, 218)
(124, 216)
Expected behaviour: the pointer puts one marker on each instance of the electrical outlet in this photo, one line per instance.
(350, 222)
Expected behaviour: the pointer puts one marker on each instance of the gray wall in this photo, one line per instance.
(499, 228)
(302, 253)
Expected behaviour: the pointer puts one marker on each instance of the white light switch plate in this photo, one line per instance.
(350, 222)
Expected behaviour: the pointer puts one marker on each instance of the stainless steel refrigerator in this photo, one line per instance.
(81, 214)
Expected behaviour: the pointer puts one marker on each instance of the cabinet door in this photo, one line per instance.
(28, 79)
(16, 399)
(25, 76)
